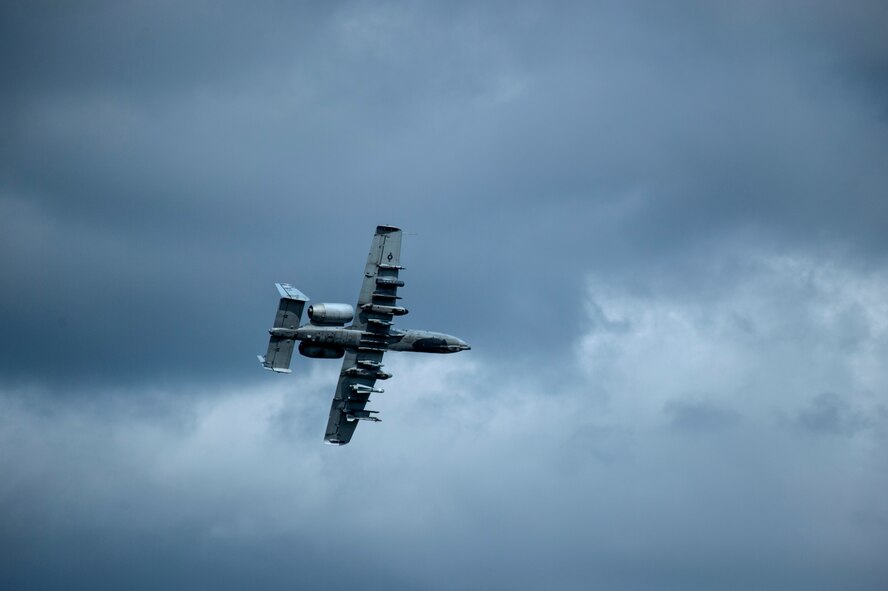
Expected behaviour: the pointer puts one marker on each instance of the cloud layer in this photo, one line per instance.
(738, 442)
(162, 172)
(662, 229)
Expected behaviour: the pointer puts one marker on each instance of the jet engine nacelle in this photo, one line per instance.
(330, 314)
(316, 352)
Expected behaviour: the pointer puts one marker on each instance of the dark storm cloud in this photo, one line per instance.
(659, 225)
(481, 477)
(184, 157)
(698, 415)
(830, 414)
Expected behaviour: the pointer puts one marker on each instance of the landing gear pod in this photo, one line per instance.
(378, 309)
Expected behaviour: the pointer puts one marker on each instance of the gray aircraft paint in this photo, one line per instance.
(363, 343)
(575, 173)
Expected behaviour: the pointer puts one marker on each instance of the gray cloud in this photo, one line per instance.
(699, 416)
(152, 157)
(650, 221)
(484, 474)
(829, 413)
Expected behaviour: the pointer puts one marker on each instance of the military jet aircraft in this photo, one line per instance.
(362, 344)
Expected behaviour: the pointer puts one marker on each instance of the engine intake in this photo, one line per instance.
(330, 314)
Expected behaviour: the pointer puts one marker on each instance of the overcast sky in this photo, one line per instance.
(663, 228)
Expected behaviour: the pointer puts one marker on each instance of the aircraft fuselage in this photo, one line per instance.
(341, 337)
(358, 335)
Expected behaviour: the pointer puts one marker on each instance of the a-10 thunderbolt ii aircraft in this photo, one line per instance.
(362, 344)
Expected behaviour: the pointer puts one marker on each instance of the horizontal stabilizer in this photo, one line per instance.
(288, 291)
(270, 367)
(286, 321)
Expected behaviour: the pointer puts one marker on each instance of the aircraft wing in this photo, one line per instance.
(357, 381)
(373, 315)
(381, 282)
